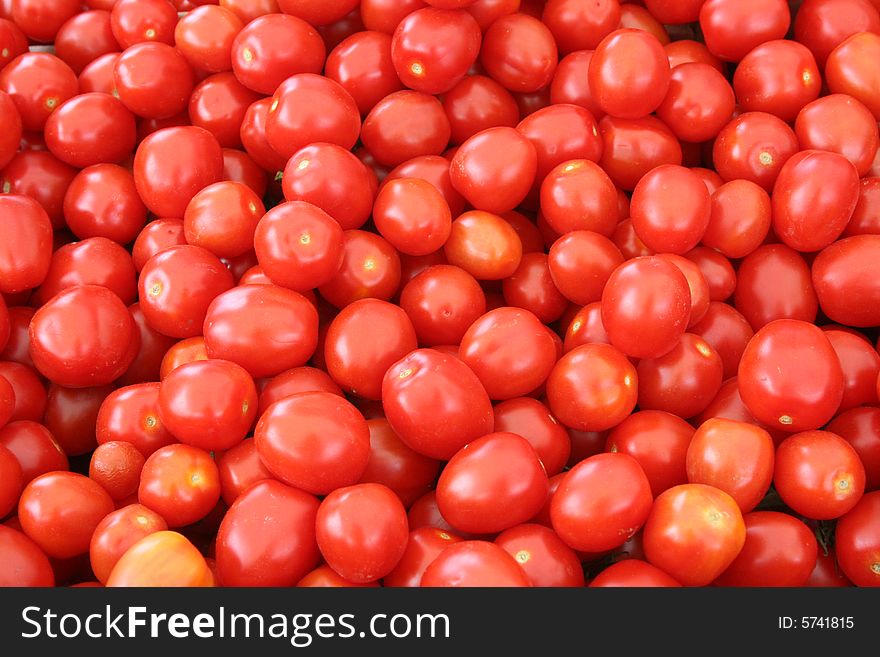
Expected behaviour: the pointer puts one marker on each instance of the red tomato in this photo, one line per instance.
(493, 483)
(847, 292)
(11, 482)
(698, 103)
(579, 195)
(484, 245)
(790, 377)
(205, 36)
(26, 252)
(601, 502)
(822, 25)
(848, 71)
(423, 546)
(754, 146)
(404, 125)
(180, 483)
(861, 366)
(732, 28)
(25, 564)
(117, 532)
(841, 124)
(739, 219)
(239, 467)
(413, 216)
(267, 538)
(646, 307)
(59, 511)
(546, 560)
(818, 474)
(474, 563)
(694, 532)
(370, 268)
(592, 388)
(37, 82)
(315, 441)
(34, 447)
(153, 80)
(533, 421)
(83, 337)
(629, 73)
(442, 302)
(131, 414)
(435, 403)
(857, 541)
(117, 467)
(264, 328)
(102, 201)
(578, 26)
(298, 379)
(860, 427)
(362, 531)
(519, 52)
(633, 572)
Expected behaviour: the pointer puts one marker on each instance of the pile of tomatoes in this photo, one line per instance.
(439, 292)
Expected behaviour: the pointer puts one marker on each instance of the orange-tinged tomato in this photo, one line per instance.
(162, 559)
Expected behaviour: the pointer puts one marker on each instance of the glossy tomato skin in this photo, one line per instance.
(442, 302)
(102, 201)
(177, 286)
(790, 377)
(647, 287)
(579, 195)
(857, 541)
(841, 124)
(298, 379)
(132, 414)
(860, 427)
(205, 37)
(153, 80)
(35, 449)
(90, 129)
(778, 77)
(362, 64)
(633, 572)
(510, 351)
(161, 559)
(861, 366)
(239, 468)
(813, 199)
(601, 502)
(732, 29)
(493, 483)
(435, 403)
(71, 414)
(520, 53)
(264, 328)
(413, 216)
(476, 103)
(423, 546)
(210, 404)
(432, 49)
(474, 563)
(533, 421)
(117, 532)
(362, 531)
(370, 269)
(847, 293)
(267, 538)
(847, 70)
(37, 82)
(83, 337)
(779, 550)
(404, 125)
(698, 103)
(315, 441)
(363, 341)
(754, 146)
(736, 457)
(26, 563)
(822, 26)
(593, 387)
(818, 474)
(60, 510)
(12, 481)
(659, 441)
(180, 483)
(694, 532)
(27, 252)
(546, 560)
(173, 164)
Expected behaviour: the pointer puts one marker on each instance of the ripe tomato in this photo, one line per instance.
(779, 550)
(59, 511)
(857, 541)
(698, 103)
(12, 481)
(493, 483)
(117, 532)
(423, 546)
(435, 403)
(370, 268)
(633, 572)
(315, 441)
(546, 560)
(181, 483)
(413, 216)
(519, 52)
(790, 377)
(819, 474)
(267, 538)
(474, 563)
(579, 195)
(732, 28)
(153, 80)
(533, 421)
(860, 427)
(739, 219)
(362, 531)
(484, 245)
(404, 125)
(601, 502)
(592, 388)
(117, 466)
(477, 103)
(693, 533)
(205, 36)
(841, 124)
(846, 293)
(25, 564)
(102, 201)
(161, 559)
(97, 344)
(736, 457)
(37, 82)
(646, 307)
(27, 252)
(848, 71)
(442, 302)
(754, 146)
(822, 25)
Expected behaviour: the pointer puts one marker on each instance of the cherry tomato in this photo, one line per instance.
(423, 546)
(818, 474)
(71, 414)
(370, 268)
(362, 64)
(633, 572)
(861, 366)
(822, 25)
(102, 201)
(484, 245)
(413, 216)
(117, 532)
(732, 28)
(579, 195)
(860, 427)
(779, 550)
(847, 293)
(778, 77)
(180, 483)
(206, 35)
(693, 533)
(474, 563)
(25, 564)
(546, 560)
(26, 250)
(442, 302)
(632, 147)
(315, 441)
(11, 482)
(34, 447)
(404, 125)
(790, 377)
(857, 542)
(161, 559)
(59, 511)
(754, 146)
(520, 53)
(847, 70)
(137, 22)
(601, 502)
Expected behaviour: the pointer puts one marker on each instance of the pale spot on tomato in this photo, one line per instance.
(274, 105)
(142, 520)
(150, 33)
(572, 166)
(4, 53)
(156, 289)
(247, 55)
(807, 76)
(370, 264)
(417, 69)
(7, 186)
(613, 448)
(765, 158)
(151, 422)
(115, 92)
(51, 102)
(305, 238)
(523, 556)
(595, 132)
(244, 407)
(405, 373)
(704, 349)
(627, 380)
(875, 567)
(195, 478)
(785, 419)
(444, 536)
(252, 207)
(576, 326)
(303, 164)
(714, 516)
